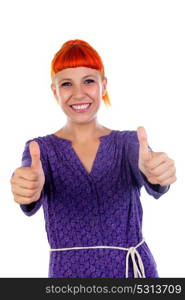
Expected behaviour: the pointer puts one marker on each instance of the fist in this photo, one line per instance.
(27, 182)
(156, 166)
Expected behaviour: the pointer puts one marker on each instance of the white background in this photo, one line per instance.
(142, 46)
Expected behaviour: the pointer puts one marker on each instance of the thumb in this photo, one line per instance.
(144, 152)
(35, 155)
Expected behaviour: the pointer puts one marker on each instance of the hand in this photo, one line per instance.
(27, 182)
(156, 166)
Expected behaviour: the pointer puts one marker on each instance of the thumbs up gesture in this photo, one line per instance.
(156, 166)
(27, 182)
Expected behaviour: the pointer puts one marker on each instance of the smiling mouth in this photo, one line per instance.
(81, 108)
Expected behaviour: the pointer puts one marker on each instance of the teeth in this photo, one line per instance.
(81, 106)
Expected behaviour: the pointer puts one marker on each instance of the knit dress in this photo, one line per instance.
(97, 208)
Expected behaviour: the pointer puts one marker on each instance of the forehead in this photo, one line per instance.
(79, 72)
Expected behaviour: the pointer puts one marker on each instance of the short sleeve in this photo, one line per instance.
(155, 190)
(32, 208)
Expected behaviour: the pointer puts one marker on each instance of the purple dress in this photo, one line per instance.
(99, 208)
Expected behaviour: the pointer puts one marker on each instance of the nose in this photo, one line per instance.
(78, 91)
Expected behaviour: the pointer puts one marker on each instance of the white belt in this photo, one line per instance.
(132, 251)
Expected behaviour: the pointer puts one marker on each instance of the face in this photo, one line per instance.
(79, 85)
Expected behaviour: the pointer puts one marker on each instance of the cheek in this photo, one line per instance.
(94, 92)
(63, 96)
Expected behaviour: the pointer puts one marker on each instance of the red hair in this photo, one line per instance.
(78, 53)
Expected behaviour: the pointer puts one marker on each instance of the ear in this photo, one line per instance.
(104, 86)
(53, 88)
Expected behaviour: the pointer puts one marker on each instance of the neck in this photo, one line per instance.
(82, 133)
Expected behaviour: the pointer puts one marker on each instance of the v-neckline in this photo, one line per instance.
(75, 155)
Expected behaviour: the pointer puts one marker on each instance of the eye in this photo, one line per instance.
(64, 84)
(90, 80)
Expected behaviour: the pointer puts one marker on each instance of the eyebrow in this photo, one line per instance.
(82, 77)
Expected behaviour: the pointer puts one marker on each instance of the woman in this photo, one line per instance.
(88, 178)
